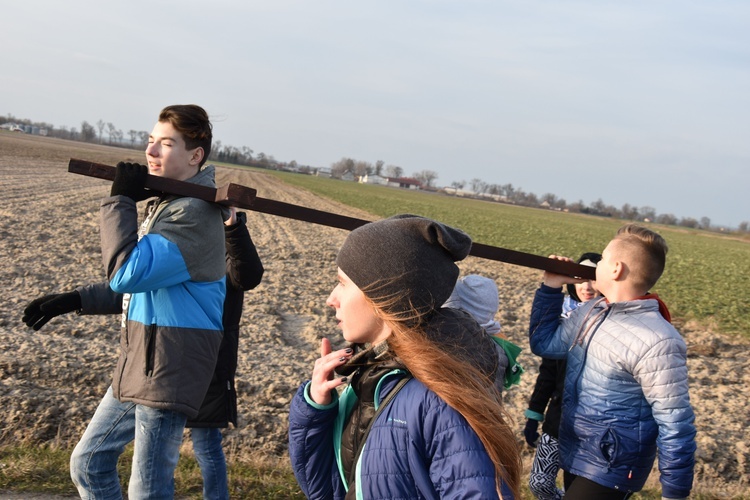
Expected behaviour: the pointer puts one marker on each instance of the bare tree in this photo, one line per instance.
(648, 213)
(705, 223)
(100, 125)
(550, 198)
(379, 167)
(111, 131)
(132, 133)
(362, 168)
(215, 150)
(426, 177)
(88, 134)
(229, 154)
(143, 137)
(598, 207)
(577, 206)
(508, 190)
(458, 184)
(495, 189)
(630, 212)
(518, 196)
(394, 171)
(667, 219)
(688, 222)
(339, 168)
(476, 184)
(247, 153)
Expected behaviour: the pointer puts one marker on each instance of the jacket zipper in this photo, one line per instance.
(150, 349)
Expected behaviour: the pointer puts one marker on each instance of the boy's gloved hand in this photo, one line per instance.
(530, 432)
(41, 310)
(130, 181)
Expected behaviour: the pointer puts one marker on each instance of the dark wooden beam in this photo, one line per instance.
(244, 197)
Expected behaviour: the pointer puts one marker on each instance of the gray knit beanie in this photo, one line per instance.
(405, 260)
(478, 296)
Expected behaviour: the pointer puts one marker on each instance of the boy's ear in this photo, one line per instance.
(619, 271)
(196, 156)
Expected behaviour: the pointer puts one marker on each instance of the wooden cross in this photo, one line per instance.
(239, 196)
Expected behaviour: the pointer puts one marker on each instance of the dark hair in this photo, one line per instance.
(594, 258)
(192, 122)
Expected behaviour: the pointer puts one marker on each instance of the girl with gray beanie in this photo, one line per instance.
(413, 412)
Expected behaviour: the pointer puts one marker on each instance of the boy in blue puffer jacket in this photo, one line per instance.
(626, 384)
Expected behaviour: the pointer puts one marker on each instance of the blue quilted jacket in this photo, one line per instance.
(626, 391)
(419, 447)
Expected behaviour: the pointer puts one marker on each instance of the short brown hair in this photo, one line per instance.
(192, 122)
(649, 250)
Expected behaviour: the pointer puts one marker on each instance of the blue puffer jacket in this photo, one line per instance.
(626, 391)
(418, 447)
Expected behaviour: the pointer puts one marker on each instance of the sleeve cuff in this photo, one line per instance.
(533, 415)
(315, 405)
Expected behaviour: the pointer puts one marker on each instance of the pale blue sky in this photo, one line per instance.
(640, 102)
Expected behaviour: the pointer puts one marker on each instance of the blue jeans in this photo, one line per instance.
(157, 434)
(213, 464)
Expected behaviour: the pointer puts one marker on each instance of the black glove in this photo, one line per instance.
(41, 310)
(130, 181)
(530, 432)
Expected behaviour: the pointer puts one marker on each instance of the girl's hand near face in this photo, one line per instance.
(323, 381)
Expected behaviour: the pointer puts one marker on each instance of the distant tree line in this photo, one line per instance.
(506, 193)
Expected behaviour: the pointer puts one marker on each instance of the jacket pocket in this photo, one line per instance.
(609, 445)
(149, 340)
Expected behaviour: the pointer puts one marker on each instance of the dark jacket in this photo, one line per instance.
(547, 394)
(173, 273)
(244, 272)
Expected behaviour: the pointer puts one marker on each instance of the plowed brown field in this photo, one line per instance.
(53, 379)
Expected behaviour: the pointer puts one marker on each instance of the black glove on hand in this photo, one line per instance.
(530, 432)
(41, 310)
(130, 181)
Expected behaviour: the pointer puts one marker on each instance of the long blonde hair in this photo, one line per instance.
(463, 387)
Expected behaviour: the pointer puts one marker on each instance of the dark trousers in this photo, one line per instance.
(580, 488)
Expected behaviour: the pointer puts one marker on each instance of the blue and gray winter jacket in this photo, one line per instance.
(172, 273)
(626, 391)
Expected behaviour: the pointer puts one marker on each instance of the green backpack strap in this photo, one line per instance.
(513, 372)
